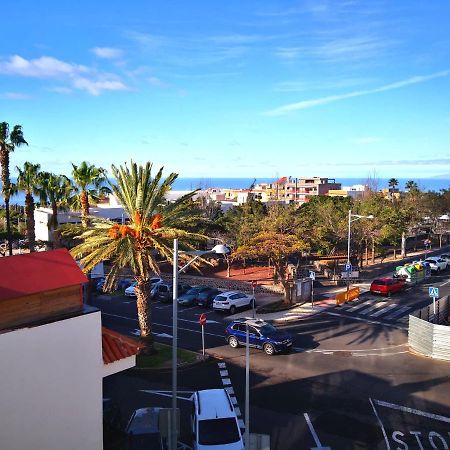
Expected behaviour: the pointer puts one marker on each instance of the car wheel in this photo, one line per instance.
(233, 342)
(232, 309)
(269, 349)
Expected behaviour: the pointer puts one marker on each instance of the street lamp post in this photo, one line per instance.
(219, 249)
(352, 218)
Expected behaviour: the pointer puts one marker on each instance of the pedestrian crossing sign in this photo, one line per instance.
(433, 292)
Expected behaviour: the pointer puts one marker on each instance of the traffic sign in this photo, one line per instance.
(202, 319)
(348, 267)
(433, 292)
(312, 275)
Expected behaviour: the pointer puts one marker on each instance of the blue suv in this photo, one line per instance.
(261, 335)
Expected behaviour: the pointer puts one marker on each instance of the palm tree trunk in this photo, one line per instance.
(84, 200)
(4, 164)
(144, 316)
(29, 212)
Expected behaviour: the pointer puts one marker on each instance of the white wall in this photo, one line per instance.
(51, 386)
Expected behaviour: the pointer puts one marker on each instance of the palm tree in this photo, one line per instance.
(152, 225)
(89, 181)
(411, 186)
(55, 190)
(393, 183)
(27, 181)
(8, 142)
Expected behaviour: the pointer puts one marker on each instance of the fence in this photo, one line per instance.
(428, 333)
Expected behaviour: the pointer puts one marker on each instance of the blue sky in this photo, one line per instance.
(231, 88)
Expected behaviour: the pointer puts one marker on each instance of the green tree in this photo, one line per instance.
(27, 181)
(90, 187)
(153, 224)
(9, 140)
(277, 248)
(56, 191)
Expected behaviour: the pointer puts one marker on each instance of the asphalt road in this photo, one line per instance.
(350, 382)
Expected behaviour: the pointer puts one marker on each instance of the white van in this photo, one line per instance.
(214, 422)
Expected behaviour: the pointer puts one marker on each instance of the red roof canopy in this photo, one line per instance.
(116, 346)
(31, 273)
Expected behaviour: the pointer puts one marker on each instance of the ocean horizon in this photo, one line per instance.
(190, 184)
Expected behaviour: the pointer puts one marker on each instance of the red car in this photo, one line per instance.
(387, 285)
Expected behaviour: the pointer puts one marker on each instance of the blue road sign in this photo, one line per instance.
(348, 267)
(433, 292)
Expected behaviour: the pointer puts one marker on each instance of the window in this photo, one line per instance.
(218, 431)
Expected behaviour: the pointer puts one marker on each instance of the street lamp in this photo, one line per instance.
(219, 249)
(352, 218)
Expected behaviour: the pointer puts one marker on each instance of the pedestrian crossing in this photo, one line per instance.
(378, 309)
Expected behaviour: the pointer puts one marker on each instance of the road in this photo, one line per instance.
(350, 382)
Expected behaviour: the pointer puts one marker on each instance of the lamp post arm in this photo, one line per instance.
(189, 263)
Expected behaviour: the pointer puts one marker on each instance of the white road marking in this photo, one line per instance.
(169, 394)
(373, 308)
(314, 435)
(224, 373)
(384, 310)
(443, 284)
(418, 412)
(226, 381)
(397, 313)
(360, 319)
(388, 445)
(221, 365)
(360, 305)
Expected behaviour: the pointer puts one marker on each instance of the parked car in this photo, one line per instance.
(387, 285)
(129, 291)
(164, 292)
(142, 431)
(123, 283)
(232, 300)
(206, 298)
(262, 335)
(214, 421)
(437, 264)
(190, 297)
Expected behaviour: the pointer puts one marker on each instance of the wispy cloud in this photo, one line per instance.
(366, 140)
(157, 82)
(320, 85)
(107, 52)
(395, 162)
(305, 104)
(76, 75)
(15, 96)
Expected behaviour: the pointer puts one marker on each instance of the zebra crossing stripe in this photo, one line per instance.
(359, 306)
(227, 386)
(399, 312)
(384, 310)
(373, 308)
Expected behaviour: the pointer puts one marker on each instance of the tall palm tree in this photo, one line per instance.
(27, 181)
(153, 224)
(411, 186)
(55, 190)
(393, 183)
(89, 181)
(9, 140)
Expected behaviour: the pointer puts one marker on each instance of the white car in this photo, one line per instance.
(214, 421)
(437, 264)
(232, 300)
(129, 291)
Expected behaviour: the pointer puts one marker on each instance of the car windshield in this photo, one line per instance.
(381, 282)
(218, 431)
(194, 290)
(430, 261)
(268, 330)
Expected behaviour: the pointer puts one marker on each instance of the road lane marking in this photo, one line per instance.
(373, 308)
(443, 284)
(360, 319)
(397, 313)
(360, 305)
(314, 435)
(384, 310)
(381, 425)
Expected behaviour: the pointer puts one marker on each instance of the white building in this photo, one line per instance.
(52, 361)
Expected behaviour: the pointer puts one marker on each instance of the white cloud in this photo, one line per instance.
(305, 104)
(75, 75)
(15, 96)
(155, 81)
(43, 67)
(96, 87)
(107, 52)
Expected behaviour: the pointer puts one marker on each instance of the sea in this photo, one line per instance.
(189, 184)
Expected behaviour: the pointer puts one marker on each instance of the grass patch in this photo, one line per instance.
(162, 359)
(279, 305)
